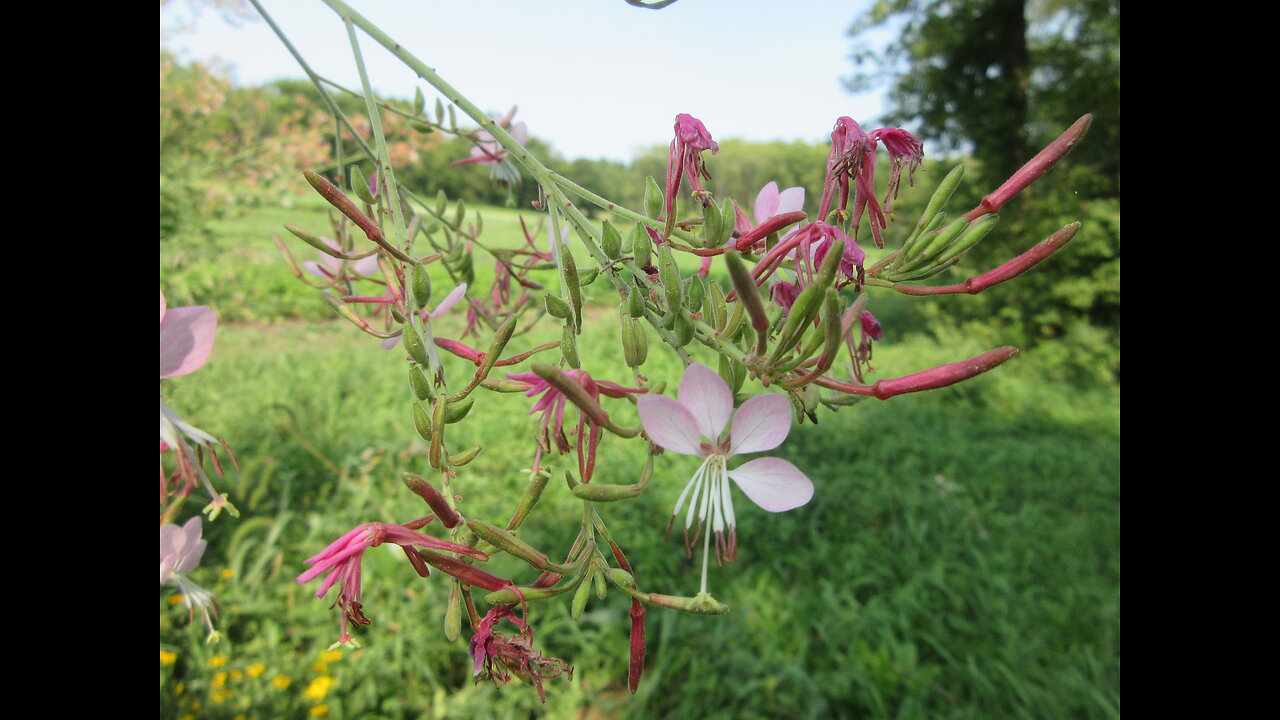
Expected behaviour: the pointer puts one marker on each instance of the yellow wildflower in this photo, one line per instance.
(217, 697)
(179, 688)
(255, 669)
(168, 658)
(331, 655)
(319, 711)
(219, 680)
(281, 681)
(318, 688)
(228, 572)
(217, 661)
(175, 598)
(236, 675)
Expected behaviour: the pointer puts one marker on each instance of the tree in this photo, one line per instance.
(1001, 76)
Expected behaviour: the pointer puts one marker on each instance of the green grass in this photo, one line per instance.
(960, 558)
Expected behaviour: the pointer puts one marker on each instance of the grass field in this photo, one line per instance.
(960, 558)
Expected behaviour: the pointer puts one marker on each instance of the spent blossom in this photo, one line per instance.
(340, 563)
(687, 147)
(498, 656)
(853, 157)
(694, 424)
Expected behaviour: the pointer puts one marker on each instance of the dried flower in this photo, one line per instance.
(498, 656)
(690, 141)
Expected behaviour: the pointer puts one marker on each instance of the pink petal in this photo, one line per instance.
(520, 133)
(186, 339)
(762, 423)
(790, 200)
(162, 306)
(766, 203)
(773, 483)
(450, 300)
(389, 343)
(707, 397)
(669, 424)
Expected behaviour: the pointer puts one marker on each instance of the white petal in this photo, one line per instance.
(707, 397)
(790, 200)
(762, 423)
(773, 483)
(669, 424)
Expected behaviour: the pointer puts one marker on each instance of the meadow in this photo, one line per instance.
(960, 558)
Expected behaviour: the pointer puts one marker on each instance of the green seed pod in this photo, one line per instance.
(459, 410)
(669, 320)
(808, 301)
(711, 221)
(570, 267)
(419, 102)
(683, 331)
(929, 245)
(695, 291)
(635, 303)
(641, 247)
(557, 307)
(442, 203)
(397, 315)
(728, 215)
(733, 372)
(713, 306)
(460, 213)
(669, 276)
(611, 241)
(937, 202)
(312, 239)
(635, 342)
(830, 264)
(508, 543)
(421, 422)
(453, 614)
(421, 127)
(421, 286)
(569, 348)
(418, 381)
(439, 112)
(601, 591)
(414, 344)
(580, 597)
(361, 186)
(586, 277)
(977, 230)
(598, 492)
(653, 198)
(465, 457)
(621, 578)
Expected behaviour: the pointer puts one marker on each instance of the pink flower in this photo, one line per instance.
(488, 151)
(180, 551)
(341, 560)
(694, 424)
(690, 141)
(186, 338)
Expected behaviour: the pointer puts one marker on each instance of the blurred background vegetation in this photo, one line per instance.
(961, 557)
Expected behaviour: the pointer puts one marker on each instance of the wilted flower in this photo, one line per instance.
(694, 424)
(853, 156)
(552, 405)
(499, 655)
(341, 560)
(690, 141)
(870, 331)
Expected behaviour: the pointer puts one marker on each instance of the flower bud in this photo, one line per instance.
(398, 316)
(601, 590)
(528, 501)
(571, 281)
(463, 458)
(621, 578)
(421, 286)
(713, 306)
(733, 372)
(360, 185)
(312, 239)
(433, 497)
(421, 422)
(611, 241)
(442, 203)
(421, 127)
(695, 291)
(711, 222)
(580, 597)
(652, 198)
(419, 102)
(597, 492)
(457, 411)
(937, 202)
(460, 213)
(929, 246)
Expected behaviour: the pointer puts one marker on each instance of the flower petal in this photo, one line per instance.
(762, 423)
(450, 300)
(790, 200)
(186, 339)
(669, 424)
(766, 202)
(773, 483)
(707, 397)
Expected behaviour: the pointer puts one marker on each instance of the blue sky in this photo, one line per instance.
(595, 78)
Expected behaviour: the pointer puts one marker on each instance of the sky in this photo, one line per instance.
(595, 78)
